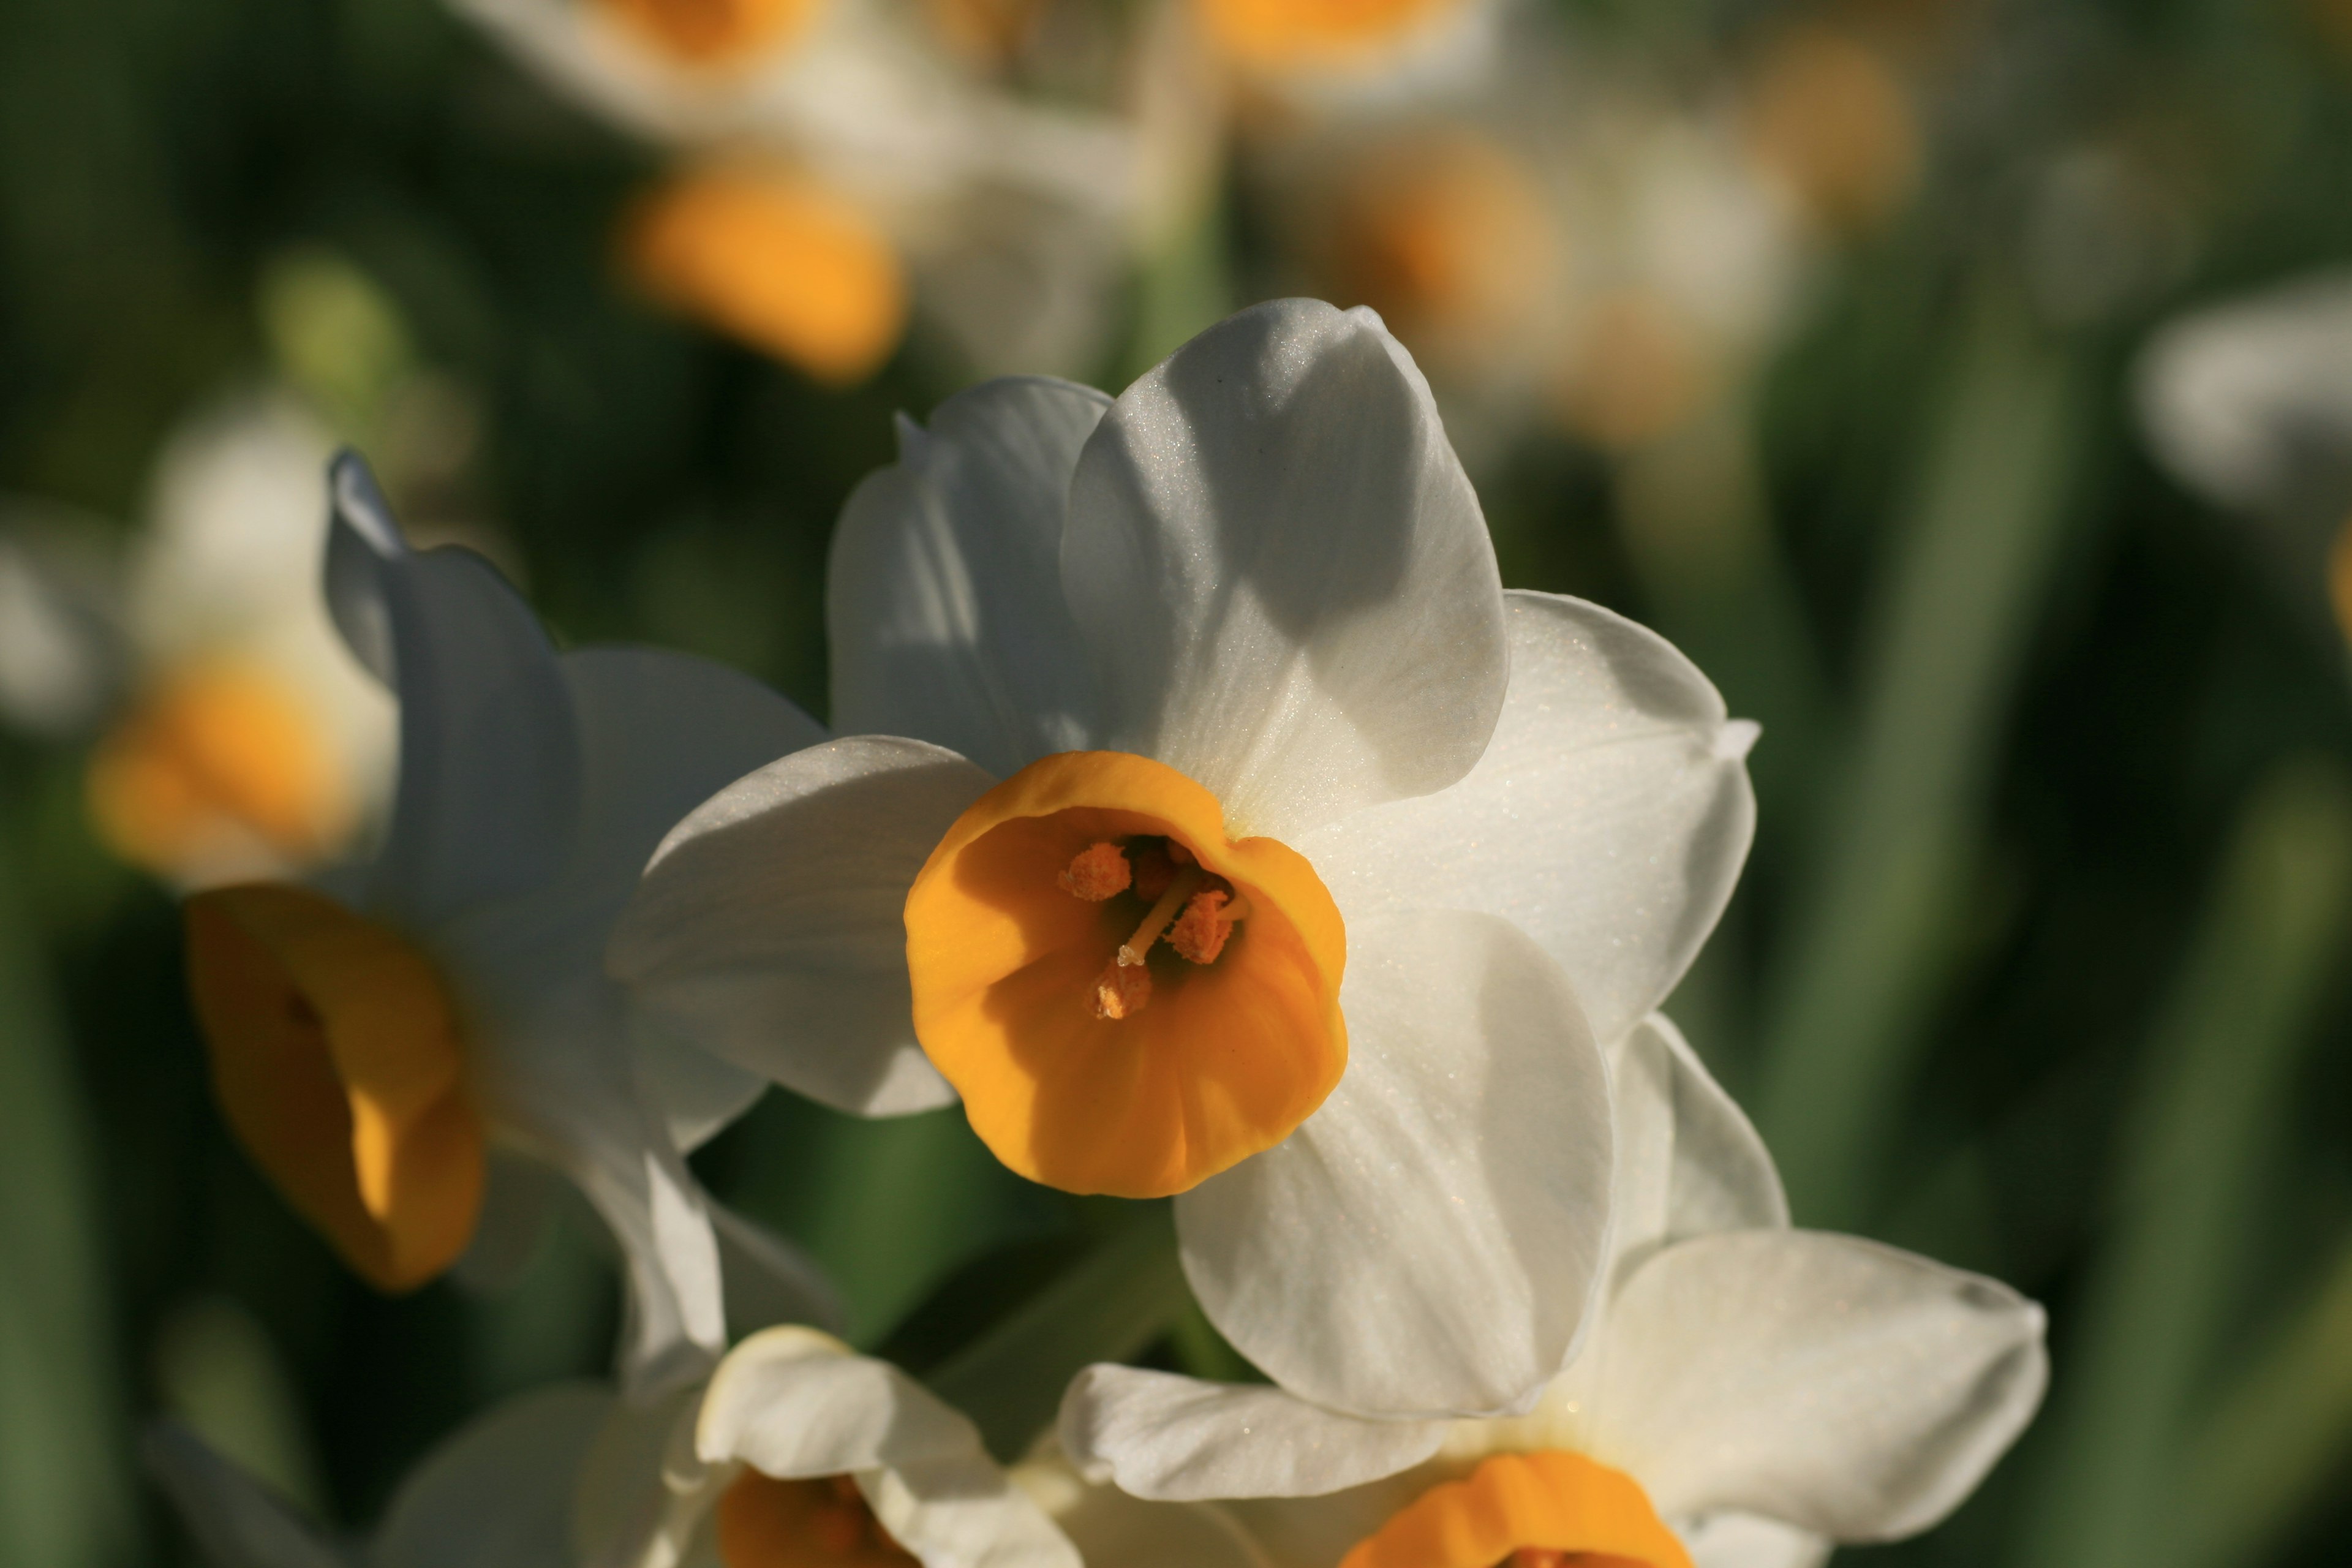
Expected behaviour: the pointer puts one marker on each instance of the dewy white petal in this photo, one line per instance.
(770, 928)
(943, 595)
(489, 798)
(1688, 1160)
(1609, 818)
(1831, 1383)
(1108, 1526)
(1155, 1434)
(1427, 1242)
(1282, 572)
(499, 1493)
(236, 1520)
(795, 1403)
(2252, 402)
(1730, 1540)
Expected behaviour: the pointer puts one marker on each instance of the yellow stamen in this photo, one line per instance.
(336, 1057)
(219, 760)
(1310, 34)
(1547, 1505)
(765, 1523)
(1033, 1002)
(772, 257)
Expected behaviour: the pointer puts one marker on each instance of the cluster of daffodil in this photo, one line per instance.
(1201, 814)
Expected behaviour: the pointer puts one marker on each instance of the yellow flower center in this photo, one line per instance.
(336, 1057)
(1527, 1510)
(769, 257)
(716, 32)
(1831, 116)
(1446, 236)
(764, 1522)
(1127, 1000)
(217, 759)
(1280, 34)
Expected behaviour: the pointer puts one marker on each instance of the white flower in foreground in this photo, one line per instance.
(798, 1453)
(1225, 662)
(375, 1038)
(1748, 1395)
(240, 739)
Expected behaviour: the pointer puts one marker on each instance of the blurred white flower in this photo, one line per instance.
(1746, 1395)
(2249, 403)
(377, 1036)
(840, 167)
(1226, 661)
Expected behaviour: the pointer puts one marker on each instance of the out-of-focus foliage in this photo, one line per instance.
(1803, 332)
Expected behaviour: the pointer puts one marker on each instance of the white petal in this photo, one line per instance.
(236, 1520)
(499, 1493)
(1427, 1242)
(768, 1280)
(1608, 819)
(1688, 1160)
(643, 1496)
(1829, 1382)
(944, 591)
(489, 761)
(1283, 573)
(771, 929)
(796, 1403)
(1155, 1435)
(1749, 1541)
(1109, 1527)
(2252, 402)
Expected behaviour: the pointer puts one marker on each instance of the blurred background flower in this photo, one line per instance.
(1959, 382)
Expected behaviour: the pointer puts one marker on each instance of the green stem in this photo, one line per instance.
(1870, 942)
(2215, 1076)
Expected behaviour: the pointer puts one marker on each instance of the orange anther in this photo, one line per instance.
(1199, 932)
(1121, 990)
(1098, 872)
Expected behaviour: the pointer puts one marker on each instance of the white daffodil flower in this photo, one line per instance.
(1748, 1395)
(2250, 403)
(498, 1494)
(237, 738)
(797, 1453)
(1226, 662)
(831, 148)
(376, 1038)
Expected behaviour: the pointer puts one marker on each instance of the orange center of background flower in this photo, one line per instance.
(715, 32)
(773, 258)
(1110, 1033)
(764, 1522)
(336, 1057)
(218, 758)
(1277, 34)
(1527, 1510)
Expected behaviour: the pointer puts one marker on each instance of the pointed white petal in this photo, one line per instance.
(1427, 1242)
(944, 593)
(1750, 1541)
(1155, 1434)
(1829, 1382)
(499, 1493)
(1608, 819)
(1283, 573)
(770, 928)
(236, 1520)
(1688, 1160)
(793, 1402)
(490, 759)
